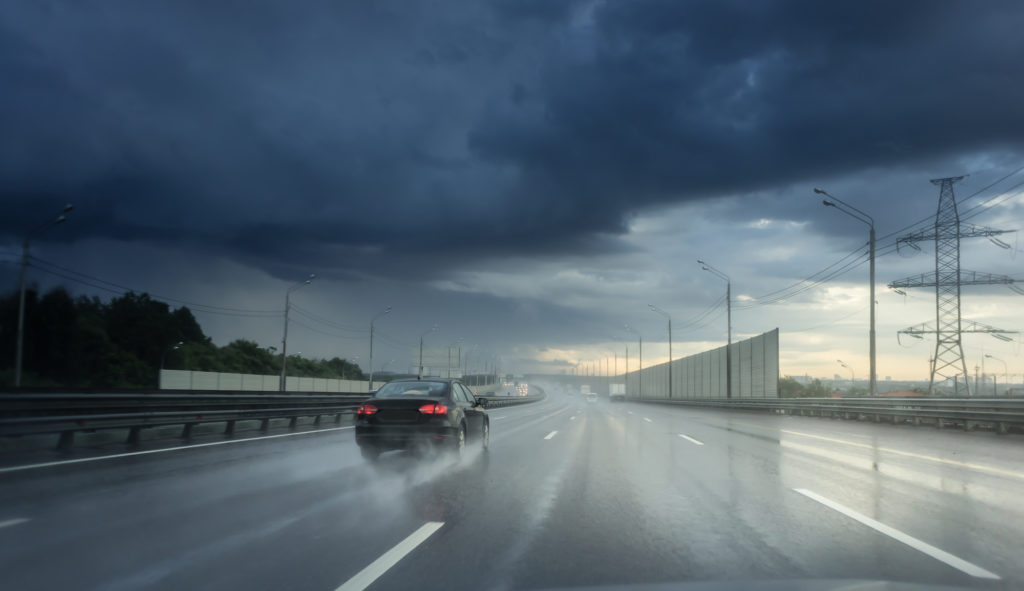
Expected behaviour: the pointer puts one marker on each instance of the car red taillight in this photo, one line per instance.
(434, 409)
(366, 410)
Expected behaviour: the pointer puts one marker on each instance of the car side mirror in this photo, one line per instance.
(481, 402)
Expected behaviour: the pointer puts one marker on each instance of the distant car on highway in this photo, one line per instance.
(592, 397)
(414, 414)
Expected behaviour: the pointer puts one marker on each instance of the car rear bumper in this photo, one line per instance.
(403, 437)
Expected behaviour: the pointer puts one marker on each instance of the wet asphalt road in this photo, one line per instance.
(571, 494)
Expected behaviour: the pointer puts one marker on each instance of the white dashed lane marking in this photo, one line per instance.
(691, 439)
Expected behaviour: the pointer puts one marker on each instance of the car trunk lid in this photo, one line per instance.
(403, 410)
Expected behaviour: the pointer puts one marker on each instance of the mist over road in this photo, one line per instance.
(570, 494)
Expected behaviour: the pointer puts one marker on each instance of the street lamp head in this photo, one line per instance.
(828, 203)
(820, 191)
(705, 268)
(700, 262)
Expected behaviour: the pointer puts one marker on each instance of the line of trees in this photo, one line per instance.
(790, 388)
(87, 343)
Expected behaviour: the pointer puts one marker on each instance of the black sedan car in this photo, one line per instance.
(415, 414)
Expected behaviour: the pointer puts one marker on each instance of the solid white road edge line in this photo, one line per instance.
(166, 449)
(551, 434)
(14, 521)
(691, 439)
(647, 419)
(371, 573)
(921, 546)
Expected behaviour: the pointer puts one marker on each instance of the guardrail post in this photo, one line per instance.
(265, 425)
(66, 441)
(293, 422)
(229, 429)
(316, 422)
(337, 419)
(186, 431)
(133, 436)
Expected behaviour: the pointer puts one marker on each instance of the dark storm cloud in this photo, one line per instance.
(398, 137)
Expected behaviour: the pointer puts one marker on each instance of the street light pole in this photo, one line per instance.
(666, 315)
(853, 377)
(458, 344)
(284, 339)
(160, 376)
(640, 365)
(419, 375)
(21, 296)
(387, 311)
(728, 315)
(1006, 376)
(870, 221)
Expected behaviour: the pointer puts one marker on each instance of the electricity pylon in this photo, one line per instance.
(948, 279)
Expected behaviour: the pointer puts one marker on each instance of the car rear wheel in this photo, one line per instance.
(460, 441)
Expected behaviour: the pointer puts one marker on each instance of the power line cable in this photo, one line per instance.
(330, 323)
(324, 332)
(41, 264)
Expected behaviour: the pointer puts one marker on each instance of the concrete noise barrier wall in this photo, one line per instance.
(175, 379)
(755, 373)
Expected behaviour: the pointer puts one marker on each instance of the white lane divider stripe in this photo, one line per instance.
(166, 449)
(919, 545)
(572, 418)
(691, 439)
(371, 573)
(629, 411)
(647, 419)
(551, 434)
(499, 418)
(14, 521)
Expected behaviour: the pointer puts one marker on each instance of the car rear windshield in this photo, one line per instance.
(395, 389)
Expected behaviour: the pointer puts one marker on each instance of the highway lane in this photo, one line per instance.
(570, 494)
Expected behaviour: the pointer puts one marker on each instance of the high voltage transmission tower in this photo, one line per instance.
(948, 279)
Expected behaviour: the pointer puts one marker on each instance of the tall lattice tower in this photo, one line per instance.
(948, 279)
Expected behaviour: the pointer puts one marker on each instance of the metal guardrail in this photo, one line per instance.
(67, 414)
(999, 414)
(500, 401)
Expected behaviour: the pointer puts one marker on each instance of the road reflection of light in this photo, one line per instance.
(933, 479)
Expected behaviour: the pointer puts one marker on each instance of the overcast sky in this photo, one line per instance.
(528, 175)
